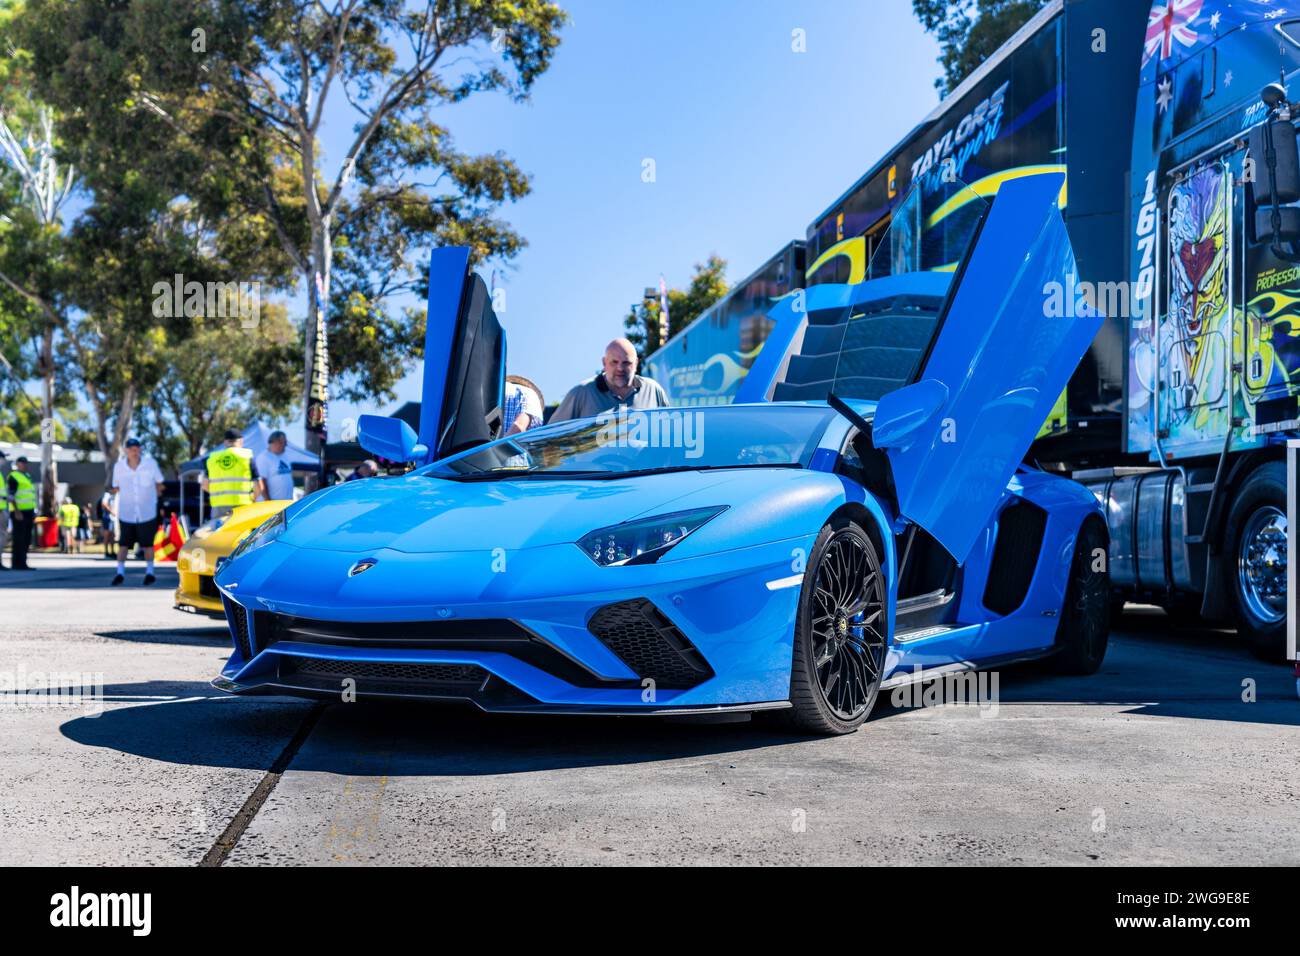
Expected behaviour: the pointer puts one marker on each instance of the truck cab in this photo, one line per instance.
(1213, 365)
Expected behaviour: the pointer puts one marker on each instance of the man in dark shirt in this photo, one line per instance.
(616, 388)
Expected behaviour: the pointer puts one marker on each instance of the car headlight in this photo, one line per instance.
(266, 532)
(644, 540)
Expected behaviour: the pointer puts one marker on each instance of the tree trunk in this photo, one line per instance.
(49, 468)
(316, 357)
(111, 447)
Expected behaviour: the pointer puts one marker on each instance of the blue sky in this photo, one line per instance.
(750, 141)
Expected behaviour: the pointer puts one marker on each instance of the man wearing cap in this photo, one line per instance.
(137, 483)
(274, 469)
(231, 475)
(22, 511)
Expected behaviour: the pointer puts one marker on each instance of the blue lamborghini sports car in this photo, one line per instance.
(862, 517)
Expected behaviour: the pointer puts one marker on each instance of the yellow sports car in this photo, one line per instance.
(198, 558)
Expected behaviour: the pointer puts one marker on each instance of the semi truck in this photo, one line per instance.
(705, 362)
(1172, 124)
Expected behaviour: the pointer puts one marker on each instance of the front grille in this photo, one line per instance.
(649, 644)
(284, 627)
(237, 617)
(208, 586)
(458, 634)
(377, 676)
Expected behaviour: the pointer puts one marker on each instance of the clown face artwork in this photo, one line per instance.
(1195, 334)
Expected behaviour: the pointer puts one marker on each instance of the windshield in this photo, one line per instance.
(666, 439)
(870, 337)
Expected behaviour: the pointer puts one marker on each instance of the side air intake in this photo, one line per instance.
(651, 645)
(237, 617)
(1015, 556)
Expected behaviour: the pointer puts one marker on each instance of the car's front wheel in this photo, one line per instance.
(839, 635)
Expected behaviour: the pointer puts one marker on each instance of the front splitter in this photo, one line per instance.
(286, 690)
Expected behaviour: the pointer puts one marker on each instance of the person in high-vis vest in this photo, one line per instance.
(22, 511)
(69, 518)
(4, 507)
(231, 475)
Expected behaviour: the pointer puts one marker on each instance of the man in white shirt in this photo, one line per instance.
(274, 470)
(137, 483)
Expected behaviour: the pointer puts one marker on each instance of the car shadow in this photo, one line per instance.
(410, 739)
(1149, 671)
(1154, 669)
(215, 636)
(189, 723)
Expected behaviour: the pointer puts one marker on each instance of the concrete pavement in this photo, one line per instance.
(1158, 759)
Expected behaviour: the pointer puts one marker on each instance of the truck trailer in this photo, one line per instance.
(1178, 417)
(705, 362)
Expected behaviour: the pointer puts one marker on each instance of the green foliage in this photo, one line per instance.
(20, 419)
(20, 320)
(970, 31)
(154, 206)
(190, 377)
(232, 120)
(223, 375)
(708, 284)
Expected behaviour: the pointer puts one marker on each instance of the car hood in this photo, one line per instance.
(421, 514)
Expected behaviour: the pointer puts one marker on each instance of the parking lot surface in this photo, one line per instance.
(1184, 749)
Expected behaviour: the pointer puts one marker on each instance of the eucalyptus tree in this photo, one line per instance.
(970, 31)
(32, 264)
(247, 92)
(644, 321)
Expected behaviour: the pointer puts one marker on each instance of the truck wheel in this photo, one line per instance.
(1084, 630)
(839, 635)
(1255, 565)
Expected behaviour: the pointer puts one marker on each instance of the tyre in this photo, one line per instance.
(839, 634)
(1255, 560)
(1084, 631)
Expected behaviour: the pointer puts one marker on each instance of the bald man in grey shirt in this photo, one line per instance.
(618, 386)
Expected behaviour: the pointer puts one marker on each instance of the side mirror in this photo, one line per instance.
(904, 412)
(1277, 162)
(1287, 228)
(1277, 172)
(390, 438)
